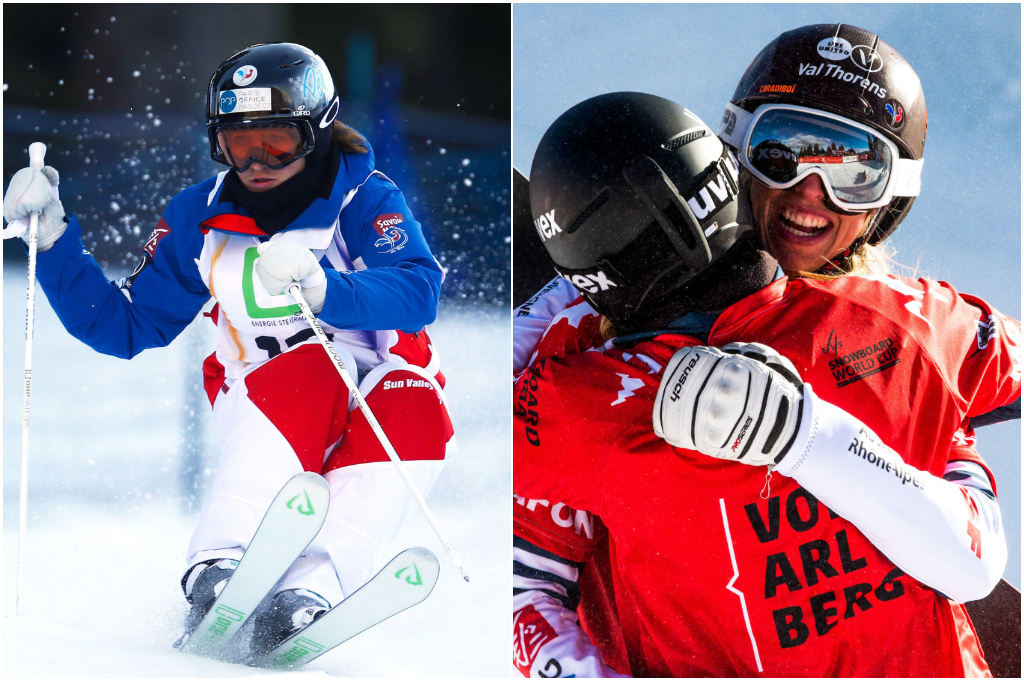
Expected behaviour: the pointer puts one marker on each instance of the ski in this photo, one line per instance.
(405, 581)
(290, 524)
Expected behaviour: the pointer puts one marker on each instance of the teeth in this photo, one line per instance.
(804, 220)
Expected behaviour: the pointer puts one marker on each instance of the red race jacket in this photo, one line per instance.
(706, 577)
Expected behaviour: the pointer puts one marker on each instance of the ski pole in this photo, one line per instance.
(36, 152)
(295, 291)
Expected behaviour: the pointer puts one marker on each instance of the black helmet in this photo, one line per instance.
(273, 83)
(632, 196)
(846, 71)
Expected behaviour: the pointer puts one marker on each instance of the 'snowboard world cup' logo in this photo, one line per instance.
(392, 237)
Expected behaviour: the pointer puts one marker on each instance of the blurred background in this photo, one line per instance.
(121, 451)
(965, 227)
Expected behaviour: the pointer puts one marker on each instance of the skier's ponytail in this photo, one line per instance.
(347, 140)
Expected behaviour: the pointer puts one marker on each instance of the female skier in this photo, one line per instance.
(301, 202)
(705, 577)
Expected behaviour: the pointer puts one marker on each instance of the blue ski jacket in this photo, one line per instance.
(380, 272)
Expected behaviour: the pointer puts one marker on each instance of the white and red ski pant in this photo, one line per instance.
(294, 414)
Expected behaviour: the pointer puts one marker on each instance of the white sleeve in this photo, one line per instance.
(531, 318)
(946, 533)
(547, 638)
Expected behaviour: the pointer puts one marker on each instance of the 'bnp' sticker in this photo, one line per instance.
(246, 99)
(244, 75)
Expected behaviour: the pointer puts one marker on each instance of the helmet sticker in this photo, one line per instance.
(867, 58)
(894, 114)
(834, 48)
(313, 83)
(246, 99)
(244, 75)
(836, 71)
(331, 113)
(778, 88)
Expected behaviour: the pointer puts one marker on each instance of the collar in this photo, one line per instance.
(695, 324)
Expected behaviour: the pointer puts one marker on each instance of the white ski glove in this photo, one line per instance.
(282, 264)
(740, 403)
(34, 191)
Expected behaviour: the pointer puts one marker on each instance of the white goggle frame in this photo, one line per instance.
(904, 180)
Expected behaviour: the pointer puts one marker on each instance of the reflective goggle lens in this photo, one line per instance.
(272, 145)
(785, 144)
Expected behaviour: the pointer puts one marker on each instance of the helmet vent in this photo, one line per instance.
(684, 138)
(680, 224)
(599, 201)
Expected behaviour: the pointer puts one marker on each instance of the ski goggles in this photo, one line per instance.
(782, 144)
(275, 145)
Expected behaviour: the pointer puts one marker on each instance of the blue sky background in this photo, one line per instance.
(965, 227)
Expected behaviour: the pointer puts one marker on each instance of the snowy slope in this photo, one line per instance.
(108, 522)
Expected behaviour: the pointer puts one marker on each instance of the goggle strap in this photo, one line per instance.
(735, 122)
(908, 177)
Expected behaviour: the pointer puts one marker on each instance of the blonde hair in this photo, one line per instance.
(347, 140)
(607, 329)
(867, 260)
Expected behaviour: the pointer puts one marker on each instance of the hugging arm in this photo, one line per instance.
(945, 531)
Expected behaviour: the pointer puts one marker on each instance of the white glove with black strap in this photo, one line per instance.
(34, 191)
(946, 535)
(282, 264)
(741, 402)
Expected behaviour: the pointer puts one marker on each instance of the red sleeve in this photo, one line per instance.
(964, 448)
(990, 372)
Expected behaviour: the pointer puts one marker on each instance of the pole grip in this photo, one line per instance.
(36, 153)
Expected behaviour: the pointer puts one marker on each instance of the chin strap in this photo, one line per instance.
(840, 262)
